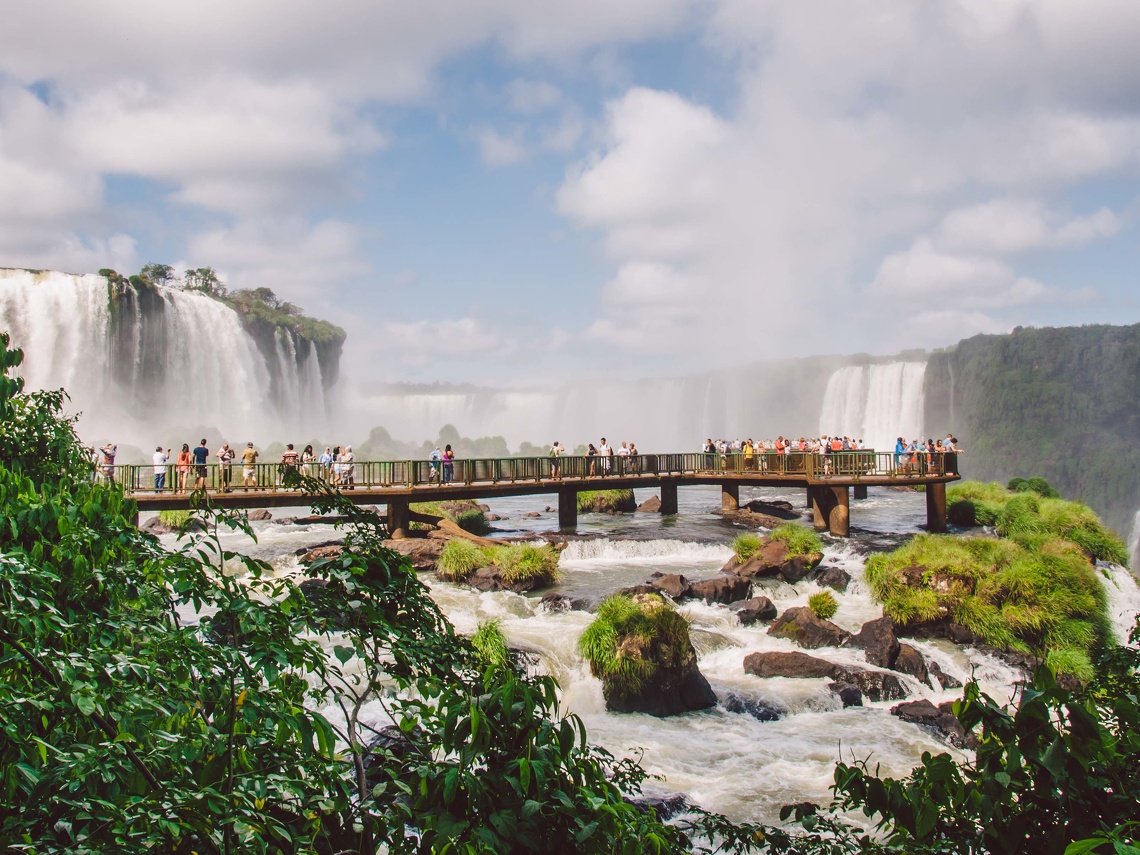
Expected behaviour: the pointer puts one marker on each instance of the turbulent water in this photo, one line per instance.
(725, 761)
(875, 403)
(136, 364)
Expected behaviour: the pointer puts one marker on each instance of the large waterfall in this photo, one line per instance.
(146, 365)
(1134, 545)
(875, 403)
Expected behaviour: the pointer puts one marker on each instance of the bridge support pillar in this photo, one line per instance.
(831, 509)
(668, 497)
(568, 508)
(860, 491)
(730, 497)
(936, 507)
(399, 522)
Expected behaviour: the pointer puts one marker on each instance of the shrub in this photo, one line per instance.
(649, 621)
(746, 545)
(823, 605)
(525, 562)
(459, 559)
(798, 539)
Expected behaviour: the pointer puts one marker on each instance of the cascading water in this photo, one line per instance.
(875, 403)
(144, 361)
(1134, 544)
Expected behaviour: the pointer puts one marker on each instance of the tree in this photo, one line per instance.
(158, 274)
(204, 279)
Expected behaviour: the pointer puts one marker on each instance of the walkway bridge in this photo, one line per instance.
(828, 480)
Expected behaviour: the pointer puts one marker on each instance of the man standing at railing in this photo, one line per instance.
(201, 455)
(249, 466)
(226, 457)
(556, 461)
(109, 451)
(160, 458)
(607, 454)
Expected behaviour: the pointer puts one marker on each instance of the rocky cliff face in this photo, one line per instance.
(1061, 403)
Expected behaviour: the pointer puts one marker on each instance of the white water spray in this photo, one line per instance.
(875, 403)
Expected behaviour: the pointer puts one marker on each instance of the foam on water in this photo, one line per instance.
(598, 552)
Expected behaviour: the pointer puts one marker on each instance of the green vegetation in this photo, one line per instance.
(1046, 601)
(516, 562)
(648, 622)
(602, 501)
(1036, 485)
(490, 643)
(1060, 403)
(175, 519)
(1032, 519)
(799, 540)
(463, 512)
(746, 545)
(823, 605)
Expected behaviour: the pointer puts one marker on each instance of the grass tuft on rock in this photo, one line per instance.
(799, 540)
(626, 629)
(175, 519)
(463, 512)
(490, 643)
(606, 501)
(459, 559)
(516, 562)
(823, 605)
(746, 545)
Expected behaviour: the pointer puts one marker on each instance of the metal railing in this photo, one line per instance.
(371, 474)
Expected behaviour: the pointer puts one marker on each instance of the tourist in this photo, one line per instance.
(108, 453)
(592, 453)
(201, 455)
(634, 458)
(307, 458)
(183, 467)
(623, 464)
(226, 457)
(900, 450)
(289, 460)
(336, 467)
(448, 464)
(435, 457)
(249, 466)
(709, 451)
(749, 452)
(160, 458)
(324, 463)
(606, 453)
(348, 468)
(556, 461)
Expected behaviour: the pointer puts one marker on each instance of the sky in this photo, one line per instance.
(516, 193)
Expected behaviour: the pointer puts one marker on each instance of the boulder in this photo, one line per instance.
(877, 639)
(634, 590)
(802, 626)
(788, 664)
(259, 514)
(773, 559)
(946, 681)
(673, 584)
(389, 743)
(848, 694)
(665, 807)
(783, 510)
(554, 602)
(423, 552)
(319, 552)
(910, 661)
(946, 583)
(677, 686)
(652, 505)
(725, 589)
(757, 608)
(606, 502)
(532, 515)
(876, 685)
(832, 577)
(155, 525)
(912, 576)
(941, 719)
(751, 706)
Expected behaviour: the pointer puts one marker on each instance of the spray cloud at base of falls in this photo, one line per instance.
(140, 362)
(875, 403)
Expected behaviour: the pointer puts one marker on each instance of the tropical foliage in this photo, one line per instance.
(624, 630)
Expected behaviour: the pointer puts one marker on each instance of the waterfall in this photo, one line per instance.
(1134, 545)
(140, 363)
(875, 403)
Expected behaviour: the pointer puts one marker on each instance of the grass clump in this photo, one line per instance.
(464, 513)
(799, 540)
(525, 563)
(604, 501)
(631, 639)
(490, 643)
(823, 605)
(746, 545)
(459, 559)
(175, 519)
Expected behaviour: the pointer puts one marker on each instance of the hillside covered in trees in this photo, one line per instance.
(1055, 402)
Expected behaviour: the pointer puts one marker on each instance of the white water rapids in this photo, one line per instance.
(725, 761)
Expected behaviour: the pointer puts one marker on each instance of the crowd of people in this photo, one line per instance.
(907, 455)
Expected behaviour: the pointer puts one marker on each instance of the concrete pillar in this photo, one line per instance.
(668, 497)
(821, 500)
(568, 508)
(730, 497)
(860, 491)
(838, 522)
(936, 507)
(399, 523)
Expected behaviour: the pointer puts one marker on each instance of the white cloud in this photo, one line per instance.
(416, 342)
(497, 149)
(532, 96)
(1005, 226)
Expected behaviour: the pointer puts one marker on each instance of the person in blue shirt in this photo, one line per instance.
(201, 455)
(900, 450)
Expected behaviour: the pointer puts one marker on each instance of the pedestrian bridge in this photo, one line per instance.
(828, 480)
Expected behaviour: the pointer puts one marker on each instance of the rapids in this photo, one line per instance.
(723, 760)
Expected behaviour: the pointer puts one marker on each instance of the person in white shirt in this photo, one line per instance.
(160, 458)
(606, 453)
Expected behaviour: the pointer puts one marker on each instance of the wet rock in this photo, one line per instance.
(783, 510)
(877, 639)
(493, 517)
(491, 579)
(549, 509)
(943, 628)
(802, 626)
(259, 514)
(755, 609)
(910, 661)
(388, 744)
(946, 681)
(751, 706)
(912, 576)
(673, 584)
(554, 603)
(422, 551)
(677, 685)
(284, 520)
(652, 505)
(316, 519)
(773, 559)
(939, 719)
(305, 549)
(635, 590)
(876, 685)
(850, 695)
(155, 525)
(947, 583)
(532, 515)
(607, 502)
(778, 663)
(483, 507)
(666, 807)
(833, 577)
(319, 552)
(725, 589)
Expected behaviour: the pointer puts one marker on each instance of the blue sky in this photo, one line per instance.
(502, 192)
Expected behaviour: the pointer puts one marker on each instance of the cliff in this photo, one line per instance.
(1055, 402)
